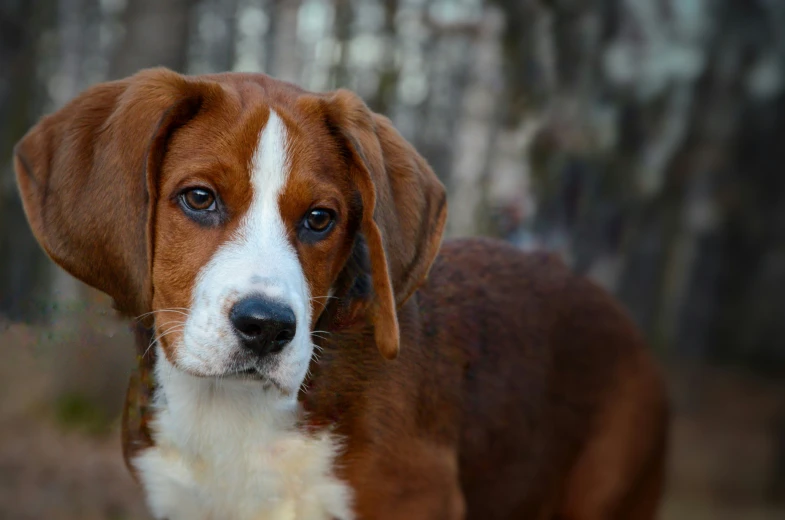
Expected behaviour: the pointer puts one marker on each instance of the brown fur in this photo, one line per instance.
(520, 391)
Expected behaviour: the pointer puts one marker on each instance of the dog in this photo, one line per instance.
(309, 349)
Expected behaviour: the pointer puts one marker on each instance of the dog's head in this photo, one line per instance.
(233, 208)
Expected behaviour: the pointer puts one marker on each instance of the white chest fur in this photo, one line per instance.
(231, 450)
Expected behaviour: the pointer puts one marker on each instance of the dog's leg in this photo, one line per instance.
(621, 472)
(417, 484)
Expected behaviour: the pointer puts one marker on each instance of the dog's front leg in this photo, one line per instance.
(417, 483)
(430, 504)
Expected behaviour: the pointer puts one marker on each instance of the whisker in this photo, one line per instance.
(322, 335)
(173, 325)
(174, 328)
(173, 309)
(303, 387)
(178, 310)
(155, 342)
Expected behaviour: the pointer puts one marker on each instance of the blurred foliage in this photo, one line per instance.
(79, 412)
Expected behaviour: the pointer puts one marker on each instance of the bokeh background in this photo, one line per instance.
(644, 140)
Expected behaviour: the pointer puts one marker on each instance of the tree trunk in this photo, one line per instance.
(476, 130)
(24, 268)
(156, 34)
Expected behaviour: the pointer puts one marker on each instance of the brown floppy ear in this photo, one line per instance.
(404, 210)
(87, 176)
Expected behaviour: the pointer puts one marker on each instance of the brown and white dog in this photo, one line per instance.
(277, 241)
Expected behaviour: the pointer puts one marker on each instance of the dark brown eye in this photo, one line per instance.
(319, 220)
(199, 199)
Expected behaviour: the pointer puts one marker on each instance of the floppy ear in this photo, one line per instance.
(404, 210)
(87, 176)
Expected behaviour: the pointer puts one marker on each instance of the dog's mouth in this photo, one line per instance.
(250, 373)
(254, 375)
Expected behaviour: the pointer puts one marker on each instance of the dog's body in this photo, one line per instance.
(520, 391)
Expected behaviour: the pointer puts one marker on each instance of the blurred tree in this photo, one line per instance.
(157, 33)
(283, 56)
(24, 269)
(344, 16)
(75, 40)
(384, 97)
(216, 45)
(654, 159)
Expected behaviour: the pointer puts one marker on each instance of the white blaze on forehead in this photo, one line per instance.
(269, 170)
(257, 260)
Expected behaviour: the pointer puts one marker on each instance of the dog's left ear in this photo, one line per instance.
(404, 209)
(88, 174)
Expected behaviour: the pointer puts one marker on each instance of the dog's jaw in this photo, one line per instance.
(232, 449)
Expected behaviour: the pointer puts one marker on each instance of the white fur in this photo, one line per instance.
(229, 448)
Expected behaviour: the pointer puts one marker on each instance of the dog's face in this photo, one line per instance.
(234, 209)
(249, 239)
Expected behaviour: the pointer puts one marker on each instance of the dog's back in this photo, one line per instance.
(562, 411)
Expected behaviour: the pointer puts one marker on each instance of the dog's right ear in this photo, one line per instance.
(87, 175)
(404, 208)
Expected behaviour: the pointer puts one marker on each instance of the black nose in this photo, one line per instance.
(264, 326)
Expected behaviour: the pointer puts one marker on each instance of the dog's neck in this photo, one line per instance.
(237, 449)
(201, 413)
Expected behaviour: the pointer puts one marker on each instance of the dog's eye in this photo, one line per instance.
(319, 220)
(199, 199)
